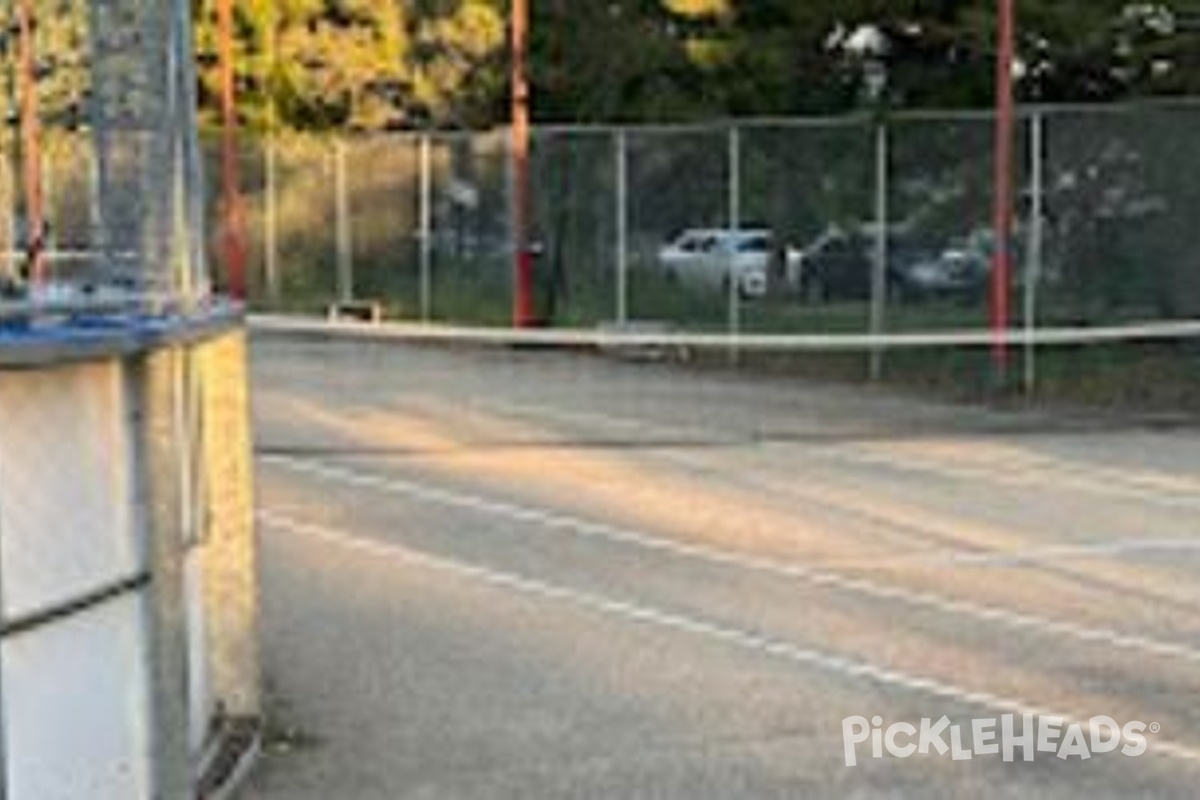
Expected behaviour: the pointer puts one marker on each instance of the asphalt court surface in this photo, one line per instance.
(493, 574)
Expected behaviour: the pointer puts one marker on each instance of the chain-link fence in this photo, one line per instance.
(846, 225)
(101, 169)
(830, 226)
(875, 225)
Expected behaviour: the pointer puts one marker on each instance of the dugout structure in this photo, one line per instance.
(128, 590)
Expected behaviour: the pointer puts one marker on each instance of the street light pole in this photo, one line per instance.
(870, 46)
(1003, 189)
(233, 244)
(523, 312)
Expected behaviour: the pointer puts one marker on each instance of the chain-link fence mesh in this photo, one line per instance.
(68, 162)
(469, 232)
(679, 197)
(8, 206)
(762, 227)
(383, 199)
(575, 226)
(1122, 209)
(940, 239)
(140, 101)
(658, 224)
(305, 208)
(655, 224)
(811, 187)
(96, 181)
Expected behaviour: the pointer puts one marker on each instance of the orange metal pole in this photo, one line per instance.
(31, 144)
(1003, 197)
(233, 234)
(523, 311)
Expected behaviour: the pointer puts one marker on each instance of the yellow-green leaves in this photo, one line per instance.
(699, 9)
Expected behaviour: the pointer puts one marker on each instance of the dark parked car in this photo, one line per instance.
(840, 266)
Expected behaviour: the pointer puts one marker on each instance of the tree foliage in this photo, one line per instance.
(380, 64)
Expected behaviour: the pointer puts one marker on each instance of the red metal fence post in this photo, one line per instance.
(1003, 197)
(31, 144)
(233, 233)
(523, 311)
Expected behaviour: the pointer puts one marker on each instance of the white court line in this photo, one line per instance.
(648, 615)
(611, 533)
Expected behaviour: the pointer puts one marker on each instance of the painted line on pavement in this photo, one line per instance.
(598, 530)
(649, 615)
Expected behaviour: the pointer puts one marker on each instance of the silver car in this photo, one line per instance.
(711, 257)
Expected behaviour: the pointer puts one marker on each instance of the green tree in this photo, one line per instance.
(374, 64)
(673, 59)
(316, 64)
(458, 65)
